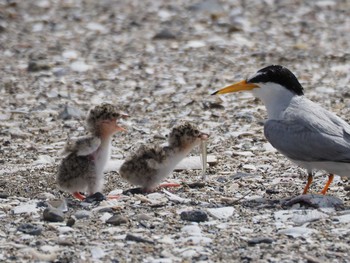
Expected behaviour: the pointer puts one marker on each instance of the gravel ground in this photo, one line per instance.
(160, 60)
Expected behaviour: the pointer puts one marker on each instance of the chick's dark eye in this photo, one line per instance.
(196, 132)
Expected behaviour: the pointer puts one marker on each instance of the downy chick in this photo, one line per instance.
(82, 169)
(151, 165)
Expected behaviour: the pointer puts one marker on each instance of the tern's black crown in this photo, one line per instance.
(280, 75)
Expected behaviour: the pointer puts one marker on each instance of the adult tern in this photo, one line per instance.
(307, 134)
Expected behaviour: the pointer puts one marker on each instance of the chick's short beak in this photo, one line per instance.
(117, 125)
(124, 116)
(242, 85)
(203, 136)
(118, 128)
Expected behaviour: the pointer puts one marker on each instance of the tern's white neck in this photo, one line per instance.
(275, 97)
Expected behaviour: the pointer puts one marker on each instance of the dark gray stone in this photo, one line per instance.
(117, 220)
(130, 237)
(53, 215)
(165, 34)
(315, 201)
(30, 229)
(70, 222)
(3, 195)
(96, 197)
(194, 216)
(35, 66)
(259, 240)
(81, 214)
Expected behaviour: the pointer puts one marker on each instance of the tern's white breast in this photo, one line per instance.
(338, 168)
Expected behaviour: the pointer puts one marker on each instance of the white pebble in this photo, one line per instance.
(192, 230)
(222, 212)
(189, 253)
(343, 218)
(80, 66)
(44, 159)
(27, 208)
(70, 54)
(96, 27)
(97, 253)
(297, 231)
(65, 229)
(105, 217)
(249, 167)
(195, 44)
(47, 248)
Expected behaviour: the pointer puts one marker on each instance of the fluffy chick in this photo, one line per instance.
(82, 169)
(150, 165)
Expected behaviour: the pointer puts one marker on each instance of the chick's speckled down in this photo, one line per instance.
(150, 165)
(76, 173)
(83, 168)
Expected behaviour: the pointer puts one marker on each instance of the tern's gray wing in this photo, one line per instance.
(83, 146)
(303, 140)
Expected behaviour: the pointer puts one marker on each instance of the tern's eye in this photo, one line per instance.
(196, 132)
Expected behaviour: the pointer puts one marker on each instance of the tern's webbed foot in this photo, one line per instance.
(96, 197)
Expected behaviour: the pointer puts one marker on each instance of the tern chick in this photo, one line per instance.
(151, 165)
(82, 169)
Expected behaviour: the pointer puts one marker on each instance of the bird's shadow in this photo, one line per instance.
(310, 201)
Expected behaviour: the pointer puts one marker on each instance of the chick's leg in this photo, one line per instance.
(79, 196)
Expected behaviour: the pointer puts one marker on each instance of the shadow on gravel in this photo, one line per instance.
(305, 201)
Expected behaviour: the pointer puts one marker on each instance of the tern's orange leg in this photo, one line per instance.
(79, 196)
(309, 181)
(166, 185)
(330, 180)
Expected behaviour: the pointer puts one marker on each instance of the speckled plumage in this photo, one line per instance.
(151, 164)
(100, 113)
(82, 169)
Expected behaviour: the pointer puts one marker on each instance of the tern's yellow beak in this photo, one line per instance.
(242, 85)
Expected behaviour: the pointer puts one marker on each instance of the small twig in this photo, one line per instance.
(232, 202)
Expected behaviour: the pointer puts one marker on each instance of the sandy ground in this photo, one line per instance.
(160, 61)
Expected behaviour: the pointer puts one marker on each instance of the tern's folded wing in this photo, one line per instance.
(83, 146)
(303, 142)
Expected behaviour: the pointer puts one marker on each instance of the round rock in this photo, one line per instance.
(194, 216)
(70, 222)
(3, 195)
(81, 214)
(53, 215)
(117, 220)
